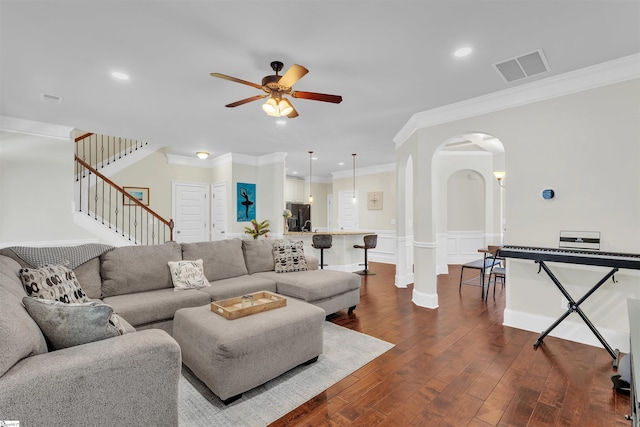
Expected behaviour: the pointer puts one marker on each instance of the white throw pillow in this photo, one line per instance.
(188, 275)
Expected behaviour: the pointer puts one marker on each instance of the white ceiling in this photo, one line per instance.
(388, 59)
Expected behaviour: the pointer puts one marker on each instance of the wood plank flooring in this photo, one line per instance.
(458, 366)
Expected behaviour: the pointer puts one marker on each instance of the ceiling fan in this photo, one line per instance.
(276, 86)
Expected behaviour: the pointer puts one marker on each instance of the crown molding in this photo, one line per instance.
(212, 162)
(607, 73)
(369, 170)
(49, 130)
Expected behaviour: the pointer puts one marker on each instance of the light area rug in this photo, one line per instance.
(344, 352)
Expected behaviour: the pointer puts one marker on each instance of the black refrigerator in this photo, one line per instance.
(300, 217)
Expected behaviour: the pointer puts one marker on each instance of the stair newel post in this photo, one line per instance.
(171, 225)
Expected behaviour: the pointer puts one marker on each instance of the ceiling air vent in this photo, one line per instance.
(51, 98)
(522, 66)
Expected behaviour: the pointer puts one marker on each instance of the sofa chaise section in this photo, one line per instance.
(86, 384)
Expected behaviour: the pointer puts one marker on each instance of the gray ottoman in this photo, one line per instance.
(234, 356)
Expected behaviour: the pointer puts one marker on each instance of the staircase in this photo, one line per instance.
(122, 217)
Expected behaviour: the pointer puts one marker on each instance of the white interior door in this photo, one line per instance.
(347, 211)
(190, 212)
(219, 211)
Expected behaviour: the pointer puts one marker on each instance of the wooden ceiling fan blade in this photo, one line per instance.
(246, 100)
(293, 114)
(234, 79)
(293, 74)
(324, 97)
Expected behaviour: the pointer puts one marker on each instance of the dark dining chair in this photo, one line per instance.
(497, 270)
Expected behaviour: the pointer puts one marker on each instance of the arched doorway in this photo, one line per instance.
(467, 198)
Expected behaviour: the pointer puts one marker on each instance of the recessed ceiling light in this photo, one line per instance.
(281, 122)
(314, 158)
(464, 51)
(120, 76)
(295, 172)
(341, 164)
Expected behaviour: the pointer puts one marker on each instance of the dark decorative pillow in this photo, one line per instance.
(289, 256)
(53, 282)
(70, 324)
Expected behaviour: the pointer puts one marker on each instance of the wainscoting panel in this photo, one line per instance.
(385, 250)
(458, 247)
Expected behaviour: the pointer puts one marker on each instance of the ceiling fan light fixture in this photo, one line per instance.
(271, 107)
(277, 107)
(285, 107)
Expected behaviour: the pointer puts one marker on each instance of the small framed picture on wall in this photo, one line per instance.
(141, 194)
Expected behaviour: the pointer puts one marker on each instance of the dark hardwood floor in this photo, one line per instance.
(458, 366)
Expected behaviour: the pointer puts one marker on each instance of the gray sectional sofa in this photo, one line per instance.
(111, 379)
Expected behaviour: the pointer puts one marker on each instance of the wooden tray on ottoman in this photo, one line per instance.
(231, 308)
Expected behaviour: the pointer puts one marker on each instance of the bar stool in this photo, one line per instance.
(322, 242)
(370, 242)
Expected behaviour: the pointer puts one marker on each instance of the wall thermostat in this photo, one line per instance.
(548, 194)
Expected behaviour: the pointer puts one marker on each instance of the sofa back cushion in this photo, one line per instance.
(132, 269)
(10, 277)
(88, 274)
(19, 334)
(258, 255)
(221, 259)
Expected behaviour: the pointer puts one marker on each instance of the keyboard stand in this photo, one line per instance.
(574, 306)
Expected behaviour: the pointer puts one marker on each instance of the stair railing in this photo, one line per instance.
(102, 150)
(108, 203)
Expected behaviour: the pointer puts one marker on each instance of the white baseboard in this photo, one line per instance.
(425, 300)
(568, 330)
(402, 280)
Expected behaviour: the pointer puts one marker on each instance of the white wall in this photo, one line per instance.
(36, 188)
(584, 145)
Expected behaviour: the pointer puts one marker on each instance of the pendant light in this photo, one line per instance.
(310, 178)
(354, 178)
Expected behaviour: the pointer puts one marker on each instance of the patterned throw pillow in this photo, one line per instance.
(53, 282)
(70, 324)
(289, 256)
(188, 275)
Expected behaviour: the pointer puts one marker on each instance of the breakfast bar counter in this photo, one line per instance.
(342, 256)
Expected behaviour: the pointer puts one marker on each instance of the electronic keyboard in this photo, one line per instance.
(572, 256)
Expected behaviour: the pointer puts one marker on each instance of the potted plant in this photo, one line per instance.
(258, 228)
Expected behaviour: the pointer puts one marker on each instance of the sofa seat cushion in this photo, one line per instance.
(313, 285)
(152, 306)
(236, 286)
(221, 258)
(19, 334)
